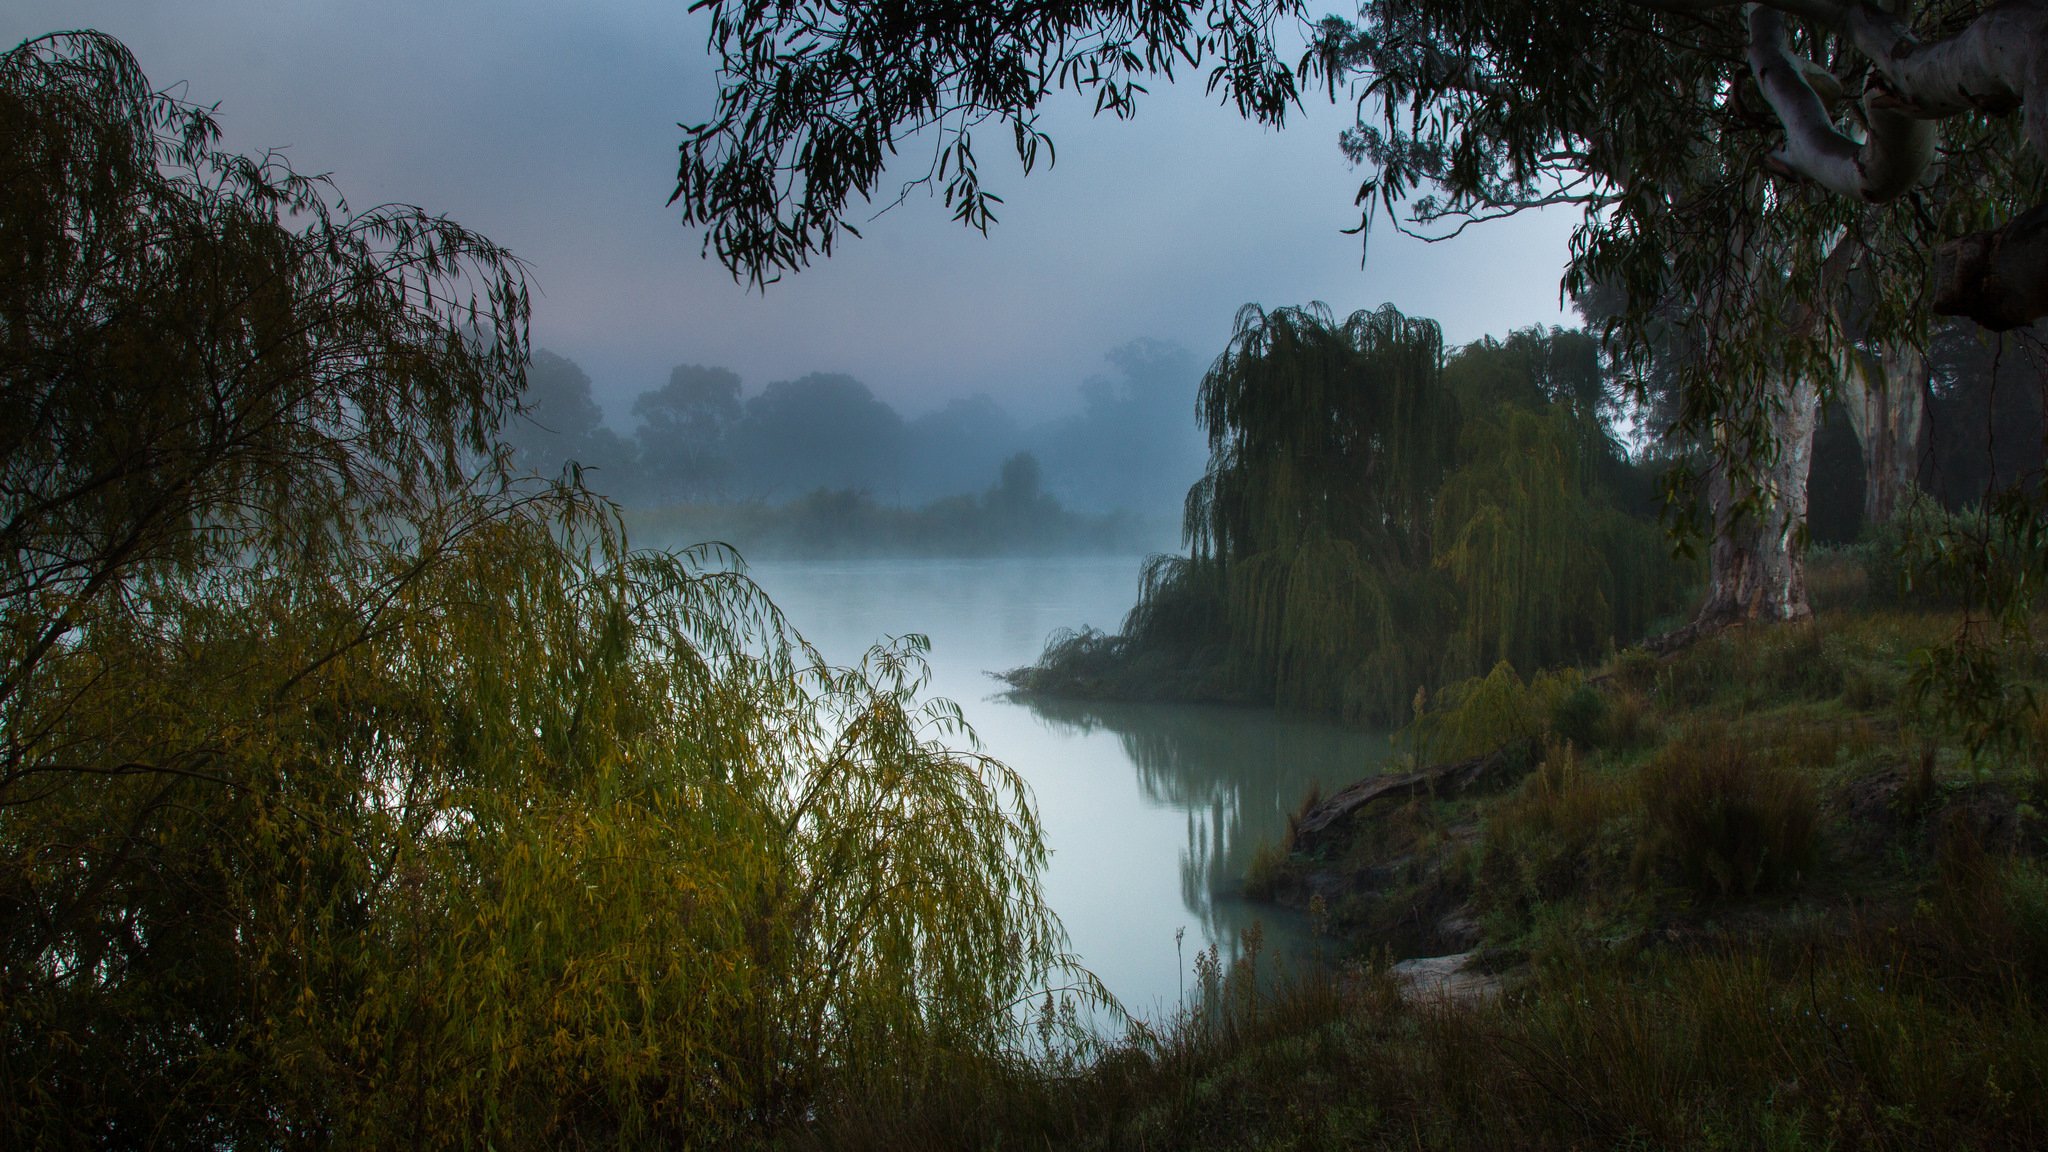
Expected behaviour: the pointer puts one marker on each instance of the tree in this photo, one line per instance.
(1376, 522)
(559, 425)
(1503, 111)
(682, 431)
(353, 791)
(950, 448)
(181, 368)
(824, 430)
(1132, 444)
(1721, 155)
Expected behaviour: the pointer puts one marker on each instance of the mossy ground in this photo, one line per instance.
(1752, 895)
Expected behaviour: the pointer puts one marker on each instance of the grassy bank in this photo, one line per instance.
(1758, 894)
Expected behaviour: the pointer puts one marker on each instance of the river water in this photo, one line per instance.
(1151, 811)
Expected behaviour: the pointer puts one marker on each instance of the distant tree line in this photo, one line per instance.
(1014, 516)
(700, 438)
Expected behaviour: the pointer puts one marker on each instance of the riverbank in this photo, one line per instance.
(1755, 894)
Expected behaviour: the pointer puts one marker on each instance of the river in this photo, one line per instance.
(1151, 811)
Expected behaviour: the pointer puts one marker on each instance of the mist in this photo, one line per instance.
(710, 451)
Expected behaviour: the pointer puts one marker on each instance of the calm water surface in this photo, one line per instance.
(1151, 811)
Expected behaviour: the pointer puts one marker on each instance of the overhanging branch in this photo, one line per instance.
(1889, 162)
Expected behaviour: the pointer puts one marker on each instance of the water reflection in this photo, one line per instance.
(1151, 812)
(1237, 774)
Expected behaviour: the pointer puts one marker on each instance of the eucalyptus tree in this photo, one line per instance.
(1501, 105)
(682, 430)
(559, 425)
(352, 793)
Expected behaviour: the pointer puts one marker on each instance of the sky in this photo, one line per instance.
(551, 128)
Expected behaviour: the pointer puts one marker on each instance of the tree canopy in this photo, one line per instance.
(1657, 115)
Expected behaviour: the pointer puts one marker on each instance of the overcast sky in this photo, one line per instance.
(550, 127)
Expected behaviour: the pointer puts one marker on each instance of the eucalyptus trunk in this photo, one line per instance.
(1885, 395)
(1757, 565)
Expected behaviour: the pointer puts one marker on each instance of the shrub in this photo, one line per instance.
(1580, 716)
(1723, 821)
(1497, 710)
(1545, 840)
(1262, 874)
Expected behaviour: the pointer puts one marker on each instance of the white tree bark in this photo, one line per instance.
(1756, 568)
(1994, 65)
(1897, 145)
(1885, 395)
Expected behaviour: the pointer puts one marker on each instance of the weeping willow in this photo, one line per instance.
(1378, 519)
(1310, 531)
(1547, 571)
(352, 795)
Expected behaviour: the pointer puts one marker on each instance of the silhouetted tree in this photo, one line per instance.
(824, 430)
(559, 423)
(950, 449)
(682, 432)
(1134, 443)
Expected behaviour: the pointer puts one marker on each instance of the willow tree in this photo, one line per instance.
(352, 794)
(1326, 444)
(1548, 566)
(1374, 521)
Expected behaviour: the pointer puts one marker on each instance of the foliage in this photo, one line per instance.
(1326, 444)
(352, 795)
(682, 428)
(1562, 833)
(1350, 545)
(815, 97)
(1480, 714)
(195, 348)
(1726, 821)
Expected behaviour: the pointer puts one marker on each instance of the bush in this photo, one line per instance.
(1580, 716)
(1724, 822)
(1497, 710)
(1547, 840)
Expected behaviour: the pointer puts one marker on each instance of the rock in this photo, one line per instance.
(1458, 929)
(1445, 980)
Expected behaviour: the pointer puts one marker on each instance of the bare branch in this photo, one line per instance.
(1884, 167)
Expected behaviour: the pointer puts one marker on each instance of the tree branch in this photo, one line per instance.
(1997, 278)
(1994, 65)
(1884, 167)
(1828, 12)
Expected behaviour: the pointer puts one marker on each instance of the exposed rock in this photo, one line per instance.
(1445, 980)
(1458, 929)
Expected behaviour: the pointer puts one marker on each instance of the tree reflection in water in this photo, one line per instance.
(1237, 773)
